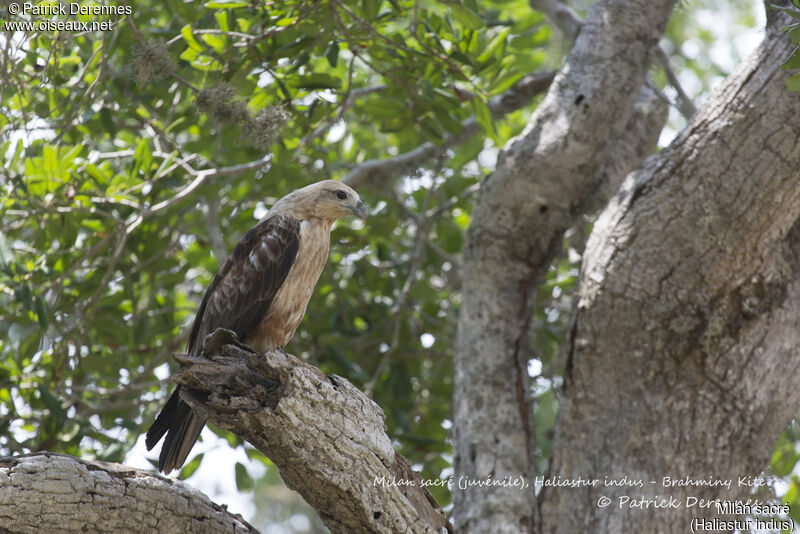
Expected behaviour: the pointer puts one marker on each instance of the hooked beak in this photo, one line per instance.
(360, 211)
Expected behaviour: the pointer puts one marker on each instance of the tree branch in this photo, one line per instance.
(201, 177)
(569, 23)
(326, 437)
(685, 104)
(48, 492)
(561, 15)
(515, 98)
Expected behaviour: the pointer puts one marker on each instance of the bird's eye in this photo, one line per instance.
(341, 195)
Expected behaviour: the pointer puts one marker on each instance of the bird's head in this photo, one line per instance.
(329, 200)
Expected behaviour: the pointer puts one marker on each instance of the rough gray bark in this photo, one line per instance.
(327, 438)
(54, 493)
(544, 180)
(683, 360)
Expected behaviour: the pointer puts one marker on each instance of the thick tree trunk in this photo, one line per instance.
(573, 146)
(54, 493)
(683, 361)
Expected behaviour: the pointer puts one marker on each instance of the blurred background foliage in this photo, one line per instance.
(134, 159)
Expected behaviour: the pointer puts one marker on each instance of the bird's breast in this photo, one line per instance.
(289, 305)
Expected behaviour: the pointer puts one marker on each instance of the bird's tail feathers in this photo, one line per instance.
(163, 421)
(182, 427)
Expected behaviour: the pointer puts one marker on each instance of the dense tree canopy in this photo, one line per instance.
(134, 159)
(137, 157)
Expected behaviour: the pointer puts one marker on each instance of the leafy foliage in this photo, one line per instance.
(130, 155)
(782, 468)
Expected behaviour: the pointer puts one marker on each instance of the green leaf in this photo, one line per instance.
(6, 256)
(69, 60)
(445, 119)
(225, 5)
(466, 152)
(222, 21)
(794, 34)
(793, 62)
(255, 454)
(293, 47)
(317, 81)
(23, 295)
(115, 453)
(301, 60)
(793, 83)
(791, 12)
(371, 9)
(244, 482)
(494, 45)
(190, 54)
(227, 435)
(189, 469)
(332, 54)
(17, 152)
(143, 156)
(107, 120)
(467, 17)
(217, 42)
(432, 129)
(52, 404)
(484, 117)
(188, 36)
(41, 312)
(784, 457)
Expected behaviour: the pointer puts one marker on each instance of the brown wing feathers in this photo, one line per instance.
(244, 287)
(237, 299)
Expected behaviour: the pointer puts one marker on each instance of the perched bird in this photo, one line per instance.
(260, 292)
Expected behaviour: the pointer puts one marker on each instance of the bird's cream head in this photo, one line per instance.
(328, 200)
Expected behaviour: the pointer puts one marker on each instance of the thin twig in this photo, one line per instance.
(444, 206)
(684, 104)
(348, 99)
(201, 177)
(446, 256)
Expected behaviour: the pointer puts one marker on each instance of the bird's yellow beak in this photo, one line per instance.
(360, 211)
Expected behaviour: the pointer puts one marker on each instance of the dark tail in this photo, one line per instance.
(182, 427)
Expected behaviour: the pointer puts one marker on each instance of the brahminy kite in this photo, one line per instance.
(260, 293)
